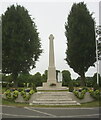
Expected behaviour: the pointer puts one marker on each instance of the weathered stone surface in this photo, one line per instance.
(54, 98)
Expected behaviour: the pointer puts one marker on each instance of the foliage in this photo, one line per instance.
(71, 88)
(44, 76)
(37, 79)
(24, 78)
(21, 46)
(11, 95)
(80, 33)
(15, 94)
(79, 95)
(95, 80)
(8, 95)
(66, 77)
(98, 31)
(95, 94)
(26, 96)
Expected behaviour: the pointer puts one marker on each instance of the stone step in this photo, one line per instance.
(47, 99)
(53, 98)
(55, 102)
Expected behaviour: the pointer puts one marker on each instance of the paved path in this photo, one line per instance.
(32, 112)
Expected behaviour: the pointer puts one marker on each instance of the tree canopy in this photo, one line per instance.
(66, 77)
(80, 34)
(21, 45)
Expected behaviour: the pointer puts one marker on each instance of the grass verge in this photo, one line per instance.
(89, 104)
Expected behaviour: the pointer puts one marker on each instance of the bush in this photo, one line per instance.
(27, 97)
(95, 94)
(96, 87)
(8, 95)
(15, 94)
(4, 84)
(86, 89)
(31, 92)
(27, 90)
(71, 88)
(20, 89)
(80, 95)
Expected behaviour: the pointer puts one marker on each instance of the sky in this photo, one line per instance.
(50, 17)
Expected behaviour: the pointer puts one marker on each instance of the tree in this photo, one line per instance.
(98, 32)
(21, 46)
(44, 76)
(66, 77)
(24, 78)
(37, 79)
(80, 34)
(95, 79)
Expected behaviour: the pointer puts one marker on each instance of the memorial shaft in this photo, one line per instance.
(51, 68)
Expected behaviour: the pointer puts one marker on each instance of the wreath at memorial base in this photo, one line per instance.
(52, 84)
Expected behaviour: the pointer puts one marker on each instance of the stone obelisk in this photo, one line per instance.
(51, 68)
(51, 83)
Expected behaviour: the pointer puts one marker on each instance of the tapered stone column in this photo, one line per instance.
(51, 68)
(51, 83)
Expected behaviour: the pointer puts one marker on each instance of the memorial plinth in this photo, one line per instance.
(51, 83)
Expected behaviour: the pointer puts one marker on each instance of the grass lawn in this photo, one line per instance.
(12, 103)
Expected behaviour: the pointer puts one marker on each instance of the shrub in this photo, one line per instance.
(80, 95)
(20, 89)
(27, 97)
(23, 93)
(15, 94)
(8, 95)
(95, 94)
(71, 88)
(27, 90)
(31, 92)
(96, 86)
(4, 84)
(86, 89)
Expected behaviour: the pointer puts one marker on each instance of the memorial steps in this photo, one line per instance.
(53, 98)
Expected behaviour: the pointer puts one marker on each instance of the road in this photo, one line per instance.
(32, 112)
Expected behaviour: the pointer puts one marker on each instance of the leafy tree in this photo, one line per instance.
(24, 78)
(37, 79)
(21, 46)
(98, 31)
(80, 34)
(66, 77)
(44, 76)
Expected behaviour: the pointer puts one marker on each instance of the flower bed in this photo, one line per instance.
(79, 95)
(13, 94)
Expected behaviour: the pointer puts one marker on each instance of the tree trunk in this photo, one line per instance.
(83, 83)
